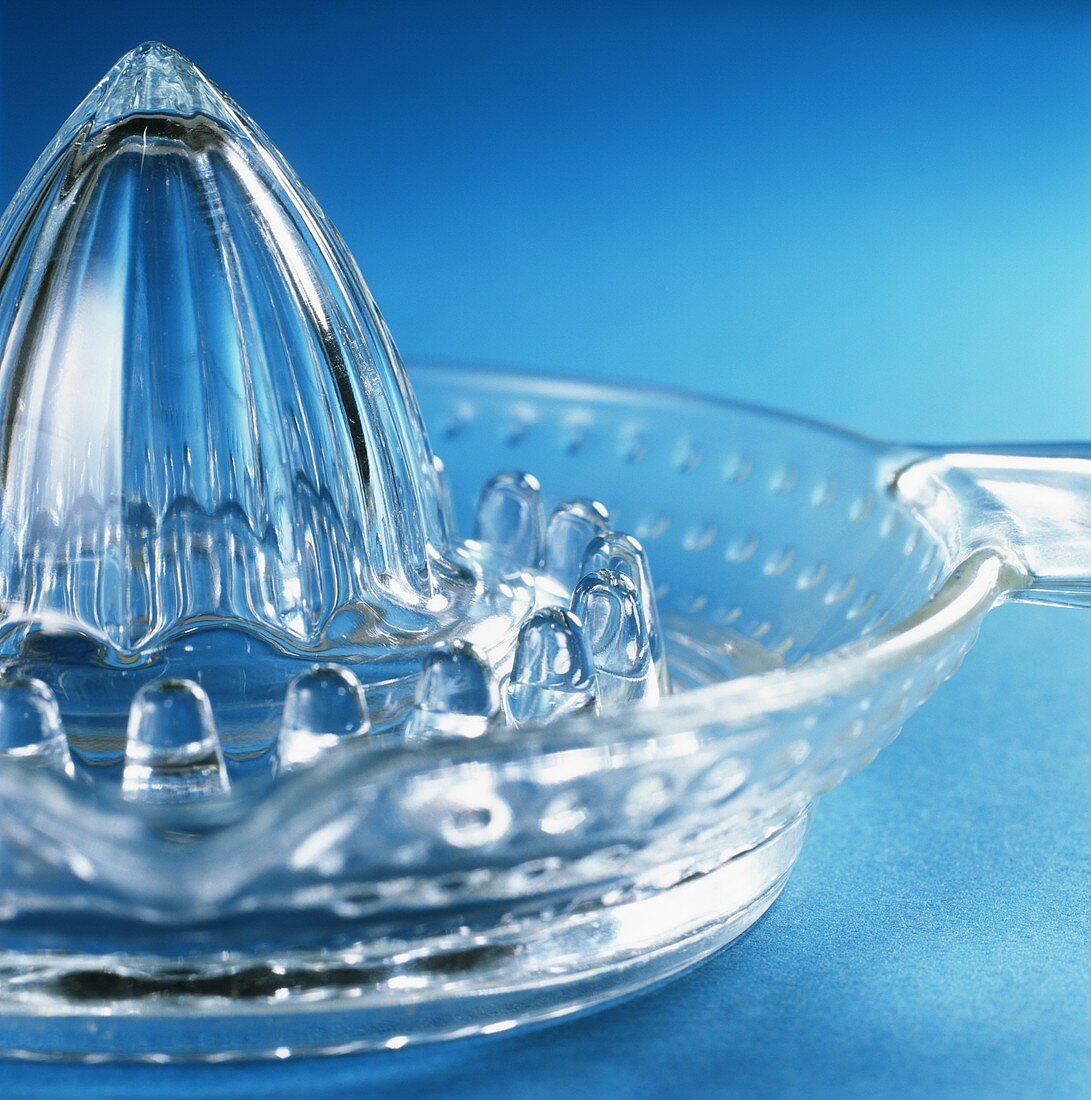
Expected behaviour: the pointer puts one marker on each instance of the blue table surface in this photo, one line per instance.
(879, 217)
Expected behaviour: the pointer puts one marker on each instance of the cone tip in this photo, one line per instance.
(154, 78)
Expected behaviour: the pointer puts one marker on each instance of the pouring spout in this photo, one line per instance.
(1029, 503)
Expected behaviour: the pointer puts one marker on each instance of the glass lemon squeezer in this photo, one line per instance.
(292, 763)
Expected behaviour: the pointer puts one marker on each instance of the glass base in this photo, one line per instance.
(533, 972)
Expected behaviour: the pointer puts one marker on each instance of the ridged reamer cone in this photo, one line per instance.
(202, 414)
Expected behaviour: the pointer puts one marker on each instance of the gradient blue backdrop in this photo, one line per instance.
(878, 216)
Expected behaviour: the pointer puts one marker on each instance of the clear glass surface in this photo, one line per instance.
(518, 874)
(209, 450)
(290, 762)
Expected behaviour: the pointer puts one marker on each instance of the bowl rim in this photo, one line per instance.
(976, 582)
(749, 704)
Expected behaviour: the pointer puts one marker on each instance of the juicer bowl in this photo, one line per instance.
(815, 588)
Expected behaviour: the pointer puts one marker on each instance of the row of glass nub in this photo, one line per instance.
(600, 650)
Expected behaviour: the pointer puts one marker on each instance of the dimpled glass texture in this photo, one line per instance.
(313, 743)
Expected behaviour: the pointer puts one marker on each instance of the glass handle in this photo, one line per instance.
(1032, 504)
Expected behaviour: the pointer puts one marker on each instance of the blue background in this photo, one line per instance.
(875, 215)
